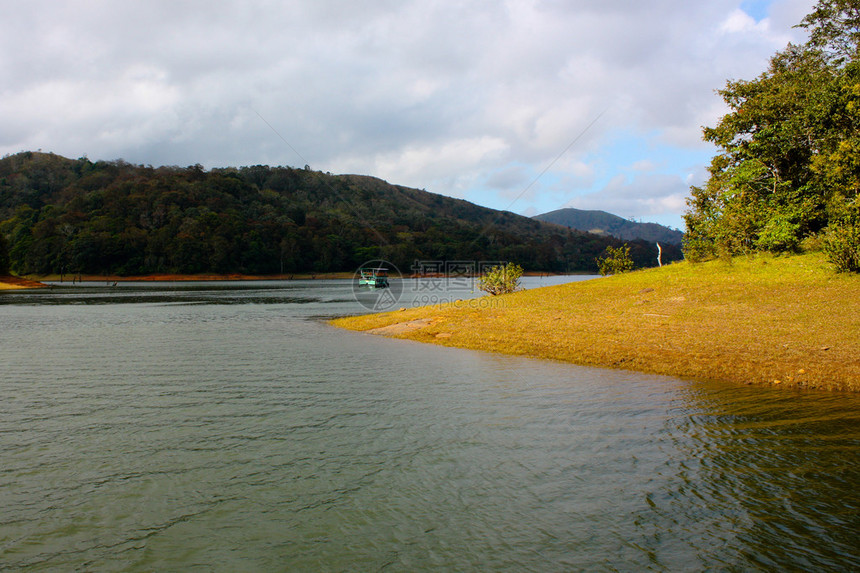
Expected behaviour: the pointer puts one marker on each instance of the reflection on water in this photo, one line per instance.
(784, 465)
(224, 427)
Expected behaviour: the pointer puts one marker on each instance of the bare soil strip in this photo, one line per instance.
(8, 282)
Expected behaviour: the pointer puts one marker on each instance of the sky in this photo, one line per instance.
(521, 105)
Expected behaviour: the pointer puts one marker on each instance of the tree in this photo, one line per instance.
(615, 261)
(834, 27)
(4, 255)
(790, 147)
(501, 279)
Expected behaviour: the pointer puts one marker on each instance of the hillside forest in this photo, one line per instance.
(76, 216)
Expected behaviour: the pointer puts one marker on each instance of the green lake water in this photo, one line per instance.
(226, 427)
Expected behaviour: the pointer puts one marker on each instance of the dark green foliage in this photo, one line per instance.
(790, 147)
(111, 217)
(615, 261)
(4, 255)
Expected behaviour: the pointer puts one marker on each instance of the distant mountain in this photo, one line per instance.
(60, 215)
(603, 223)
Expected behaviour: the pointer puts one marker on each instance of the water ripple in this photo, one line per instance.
(153, 436)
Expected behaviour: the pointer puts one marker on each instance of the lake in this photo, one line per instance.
(226, 427)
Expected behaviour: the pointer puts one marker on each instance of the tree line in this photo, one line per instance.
(787, 176)
(61, 215)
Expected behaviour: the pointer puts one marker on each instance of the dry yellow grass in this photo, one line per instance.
(790, 321)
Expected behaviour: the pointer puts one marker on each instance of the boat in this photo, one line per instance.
(373, 277)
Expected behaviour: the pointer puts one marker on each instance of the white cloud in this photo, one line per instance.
(739, 22)
(467, 99)
(655, 197)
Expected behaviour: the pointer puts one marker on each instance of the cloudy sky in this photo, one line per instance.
(522, 105)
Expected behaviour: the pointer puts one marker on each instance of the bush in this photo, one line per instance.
(698, 248)
(842, 247)
(812, 244)
(501, 279)
(780, 234)
(615, 261)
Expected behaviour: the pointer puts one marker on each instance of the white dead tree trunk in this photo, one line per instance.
(659, 255)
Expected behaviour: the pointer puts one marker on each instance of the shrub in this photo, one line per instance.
(842, 247)
(780, 234)
(615, 261)
(501, 279)
(698, 248)
(812, 244)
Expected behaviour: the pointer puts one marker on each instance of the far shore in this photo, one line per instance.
(171, 277)
(790, 321)
(168, 277)
(9, 282)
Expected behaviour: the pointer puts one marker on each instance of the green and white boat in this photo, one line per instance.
(374, 278)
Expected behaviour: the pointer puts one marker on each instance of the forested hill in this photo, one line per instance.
(601, 222)
(112, 217)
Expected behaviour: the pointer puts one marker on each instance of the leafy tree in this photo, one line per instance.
(834, 27)
(789, 164)
(501, 279)
(4, 255)
(615, 261)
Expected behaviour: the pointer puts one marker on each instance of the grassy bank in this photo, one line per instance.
(789, 321)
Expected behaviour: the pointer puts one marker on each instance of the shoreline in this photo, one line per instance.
(9, 282)
(170, 277)
(177, 277)
(763, 320)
